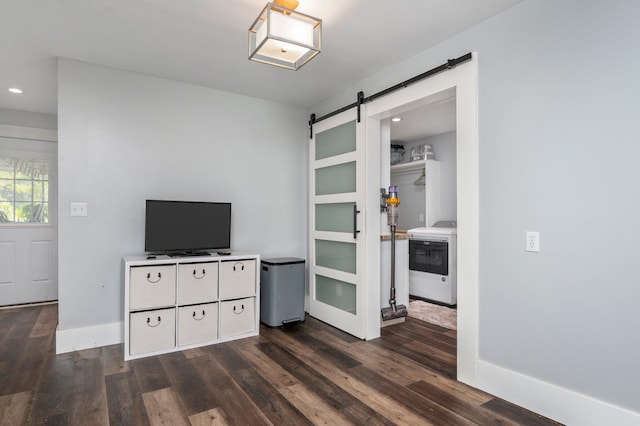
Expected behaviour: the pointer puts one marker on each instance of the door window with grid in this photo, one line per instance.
(24, 187)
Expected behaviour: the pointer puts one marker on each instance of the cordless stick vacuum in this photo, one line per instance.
(393, 311)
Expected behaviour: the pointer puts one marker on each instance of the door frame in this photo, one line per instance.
(462, 79)
(39, 135)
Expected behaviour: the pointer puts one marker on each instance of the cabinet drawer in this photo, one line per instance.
(152, 331)
(237, 317)
(197, 282)
(152, 286)
(237, 278)
(197, 324)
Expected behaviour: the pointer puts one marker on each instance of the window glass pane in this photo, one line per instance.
(6, 168)
(6, 190)
(45, 213)
(38, 192)
(40, 170)
(36, 213)
(337, 140)
(23, 212)
(339, 294)
(6, 212)
(337, 179)
(24, 190)
(24, 168)
(336, 255)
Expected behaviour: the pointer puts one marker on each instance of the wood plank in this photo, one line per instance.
(239, 408)
(335, 396)
(302, 344)
(46, 321)
(369, 395)
(447, 369)
(213, 417)
(271, 402)
(124, 400)
(24, 322)
(404, 371)
(187, 381)
(518, 414)
(313, 406)
(113, 359)
(424, 407)
(14, 408)
(163, 408)
(272, 372)
(150, 374)
(316, 324)
(88, 398)
(7, 319)
(467, 408)
(23, 369)
(51, 398)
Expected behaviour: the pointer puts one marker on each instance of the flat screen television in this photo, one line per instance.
(186, 227)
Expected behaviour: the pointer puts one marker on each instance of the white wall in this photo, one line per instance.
(558, 132)
(28, 119)
(126, 137)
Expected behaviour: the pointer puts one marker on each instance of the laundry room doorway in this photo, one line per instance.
(453, 90)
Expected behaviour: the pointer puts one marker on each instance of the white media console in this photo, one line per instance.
(177, 303)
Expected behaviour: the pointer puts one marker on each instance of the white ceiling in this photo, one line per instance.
(429, 120)
(205, 43)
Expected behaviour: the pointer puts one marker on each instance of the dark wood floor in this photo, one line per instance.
(308, 373)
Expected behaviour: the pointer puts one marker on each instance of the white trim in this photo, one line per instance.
(560, 404)
(372, 219)
(77, 339)
(33, 133)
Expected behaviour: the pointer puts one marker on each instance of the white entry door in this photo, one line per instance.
(337, 244)
(28, 235)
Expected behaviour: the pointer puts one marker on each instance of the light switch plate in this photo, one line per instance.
(78, 209)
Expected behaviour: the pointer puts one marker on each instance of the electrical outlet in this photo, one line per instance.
(532, 241)
(78, 209)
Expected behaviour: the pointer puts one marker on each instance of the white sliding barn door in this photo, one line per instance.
(337, 244)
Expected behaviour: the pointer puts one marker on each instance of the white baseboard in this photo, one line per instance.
(76, 339)
(560, 404)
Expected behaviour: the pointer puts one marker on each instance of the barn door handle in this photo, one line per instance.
(355, 221)
(152, 281)
(195, 274)
(149, 322)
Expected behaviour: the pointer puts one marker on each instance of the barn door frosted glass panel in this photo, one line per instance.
(336, 141)
(336, 255)
(339, 294)
(336, 217)
(338, 179)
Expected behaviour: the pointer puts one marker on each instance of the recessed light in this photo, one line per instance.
(15, 90)
(396, 119)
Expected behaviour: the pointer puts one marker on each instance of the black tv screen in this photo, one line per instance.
(186, 226)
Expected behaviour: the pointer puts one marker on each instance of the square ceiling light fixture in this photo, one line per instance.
(283, 37)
